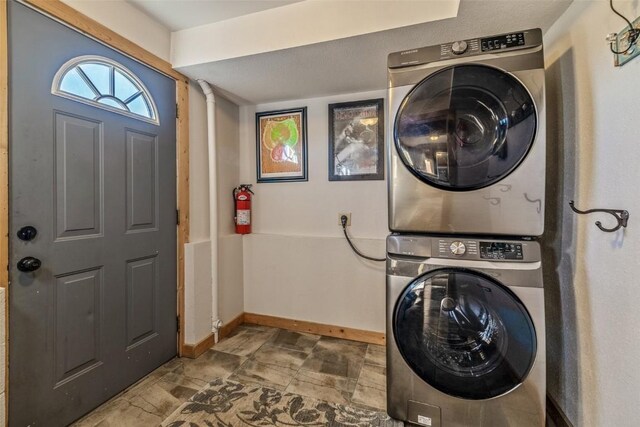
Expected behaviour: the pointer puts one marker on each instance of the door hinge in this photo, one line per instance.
(178, 216)
(177, 111)
(178, 323)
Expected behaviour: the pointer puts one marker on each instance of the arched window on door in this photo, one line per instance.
(106, 84)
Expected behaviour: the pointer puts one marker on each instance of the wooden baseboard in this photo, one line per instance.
(556, 414)
(193, 351)
(316, 328)
(231, 326)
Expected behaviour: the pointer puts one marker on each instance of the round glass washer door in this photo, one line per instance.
(464, 333)
(465, 127)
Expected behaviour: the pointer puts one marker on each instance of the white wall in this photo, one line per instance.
(297, 264)
(198, 301)
(592, 277)
(230, 275)
(197, 291)
(129, 22)
(311, 208)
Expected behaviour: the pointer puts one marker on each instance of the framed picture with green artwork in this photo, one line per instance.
(281, 145)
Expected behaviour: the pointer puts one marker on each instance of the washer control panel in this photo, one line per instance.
(490, 250)
(408, 246)
(501, 250)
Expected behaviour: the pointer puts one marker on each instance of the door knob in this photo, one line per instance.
(27, 233)
(28, 264)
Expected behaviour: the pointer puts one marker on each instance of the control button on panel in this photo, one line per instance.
(458, 248)
(459, 47)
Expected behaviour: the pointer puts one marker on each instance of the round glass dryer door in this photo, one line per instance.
(464, 333)
(465, 127)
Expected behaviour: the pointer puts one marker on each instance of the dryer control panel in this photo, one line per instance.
(500, 42)
(506, 41)
(466, 48)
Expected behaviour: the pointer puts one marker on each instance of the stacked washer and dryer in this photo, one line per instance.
(465, 298)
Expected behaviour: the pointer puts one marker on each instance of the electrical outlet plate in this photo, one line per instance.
(348, 214)
(621, 44)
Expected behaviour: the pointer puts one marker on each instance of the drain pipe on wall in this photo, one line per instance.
(216, 323)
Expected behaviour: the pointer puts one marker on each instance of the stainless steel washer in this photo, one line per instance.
(465, 331)
(466, 132)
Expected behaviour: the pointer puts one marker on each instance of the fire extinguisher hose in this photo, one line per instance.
(233, 205)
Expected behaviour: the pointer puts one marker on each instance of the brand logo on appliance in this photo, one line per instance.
(425, 421)
(407, 52)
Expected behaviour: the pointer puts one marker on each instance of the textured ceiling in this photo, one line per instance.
(358, 64)
(180, 14)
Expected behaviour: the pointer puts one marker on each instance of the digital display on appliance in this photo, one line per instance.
(502, 42)
(500, 250)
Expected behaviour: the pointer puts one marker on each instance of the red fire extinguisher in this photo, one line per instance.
(242, 214)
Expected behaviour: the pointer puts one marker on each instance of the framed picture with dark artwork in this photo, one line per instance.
(356, 140)
(281, 145)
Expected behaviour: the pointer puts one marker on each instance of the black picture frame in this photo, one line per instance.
(274, 157)
(356, 151)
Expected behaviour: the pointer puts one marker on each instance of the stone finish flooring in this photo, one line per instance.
(324, 368)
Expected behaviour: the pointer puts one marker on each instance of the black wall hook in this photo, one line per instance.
(621, 216)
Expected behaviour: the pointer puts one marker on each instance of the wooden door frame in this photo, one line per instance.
(82, 23)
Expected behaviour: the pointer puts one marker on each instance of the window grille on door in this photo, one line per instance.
(104, 83)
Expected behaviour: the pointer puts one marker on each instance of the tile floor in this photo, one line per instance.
(325, 368)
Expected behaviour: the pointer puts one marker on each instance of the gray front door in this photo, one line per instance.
(93, 171)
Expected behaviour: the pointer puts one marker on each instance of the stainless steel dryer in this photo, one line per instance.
(466, 136)
(465, 332)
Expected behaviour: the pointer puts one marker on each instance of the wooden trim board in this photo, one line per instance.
(316, 328)
(4, 188)
(228, 328)
(193, 351)
(4, 146)
(182, 129)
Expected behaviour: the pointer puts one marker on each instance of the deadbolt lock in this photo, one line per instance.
(27, 233)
